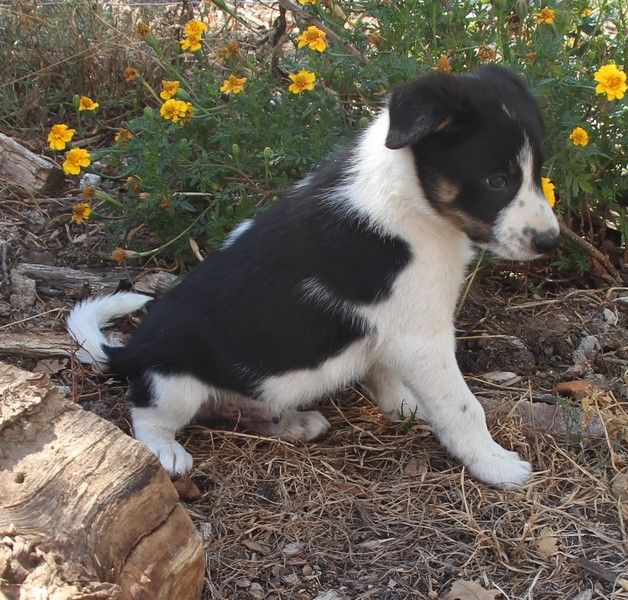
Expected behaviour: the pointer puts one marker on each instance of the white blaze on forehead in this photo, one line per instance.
(528, 214)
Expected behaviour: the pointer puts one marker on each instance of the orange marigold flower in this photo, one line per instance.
(546, 16)
(75, 159)
(191, 43)
(130, 74)
(233, 85)
(586, 12)
(579, 137)
(169, 89)
(548, 190)
(88, 192)
(123, 135)
(313, 38)
(486, 53)
(60, 134)
(375, 38)
(142, 29)
(86, 103)
(443, 64)
(301, 81)
(81, 212)
(119, 255)
(177, 111)
(230, 50)
(611, 81)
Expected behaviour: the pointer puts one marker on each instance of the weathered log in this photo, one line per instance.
(36, 344)
(82, 283)
(34, 174)
(75, 485)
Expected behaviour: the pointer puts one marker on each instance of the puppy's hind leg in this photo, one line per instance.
(163, 405)
(293, 426)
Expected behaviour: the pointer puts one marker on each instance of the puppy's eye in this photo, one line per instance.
(497, 182)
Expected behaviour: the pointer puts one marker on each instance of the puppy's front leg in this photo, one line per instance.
(429, 369)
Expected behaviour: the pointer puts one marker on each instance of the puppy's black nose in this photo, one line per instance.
(545, 242)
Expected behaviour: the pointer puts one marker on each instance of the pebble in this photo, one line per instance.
(293, 549)
(502, 377)
(610, 317)
(24, 290)
(291, 579)
(257, 591)
(329, 595)
(588, 348)
(89, 180)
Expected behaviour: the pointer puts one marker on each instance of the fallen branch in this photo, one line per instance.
(34, 174)
(592, 251)
(42, 344)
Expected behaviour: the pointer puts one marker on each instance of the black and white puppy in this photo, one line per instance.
(352, 276)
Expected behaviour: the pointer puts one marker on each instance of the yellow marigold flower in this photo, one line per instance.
(60, 134)
(611, 81)
(191, 43)
(579, 137)
(546, 16)
(81, 212)
(177, 111)
(142, 29)
(313, 38)
(130, 74)
(86, 103)
(586, 12)
(195, 29)
(75, 159)
(233, 85)
(443, 64)
(486, 53)
(304, 2)
(123, 135)
(169, 89)
(548, 190)
(301, 81)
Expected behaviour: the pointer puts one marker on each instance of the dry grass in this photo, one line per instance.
(380, 511)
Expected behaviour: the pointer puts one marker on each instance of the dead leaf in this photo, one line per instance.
(187, 489)
(50, 366)
(574, 389)
(256, 547)
(548, 544)
(469, 590)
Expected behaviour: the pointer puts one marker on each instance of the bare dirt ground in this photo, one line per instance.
(379, 510)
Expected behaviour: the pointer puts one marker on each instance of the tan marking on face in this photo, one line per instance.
(477, 230)
(446, 191)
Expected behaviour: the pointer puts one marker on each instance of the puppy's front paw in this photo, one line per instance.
(501, 468)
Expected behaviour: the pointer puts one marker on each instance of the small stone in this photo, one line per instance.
(588, 348)
(307, 570)
(278, 570)
(293, 549)
(329, 595)
(256, 591)
(243, 582)
(619, 486)
(89, 180)
(609, 316)
(502, 377)
(24, 290)
(291, 579)
(5, 309)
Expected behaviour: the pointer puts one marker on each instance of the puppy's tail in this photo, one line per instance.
(88, 318)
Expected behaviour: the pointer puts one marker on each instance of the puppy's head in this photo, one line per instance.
(478, 149)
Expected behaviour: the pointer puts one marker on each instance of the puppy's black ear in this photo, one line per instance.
(422, 107)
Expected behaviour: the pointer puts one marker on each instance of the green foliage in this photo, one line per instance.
(241, 150)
